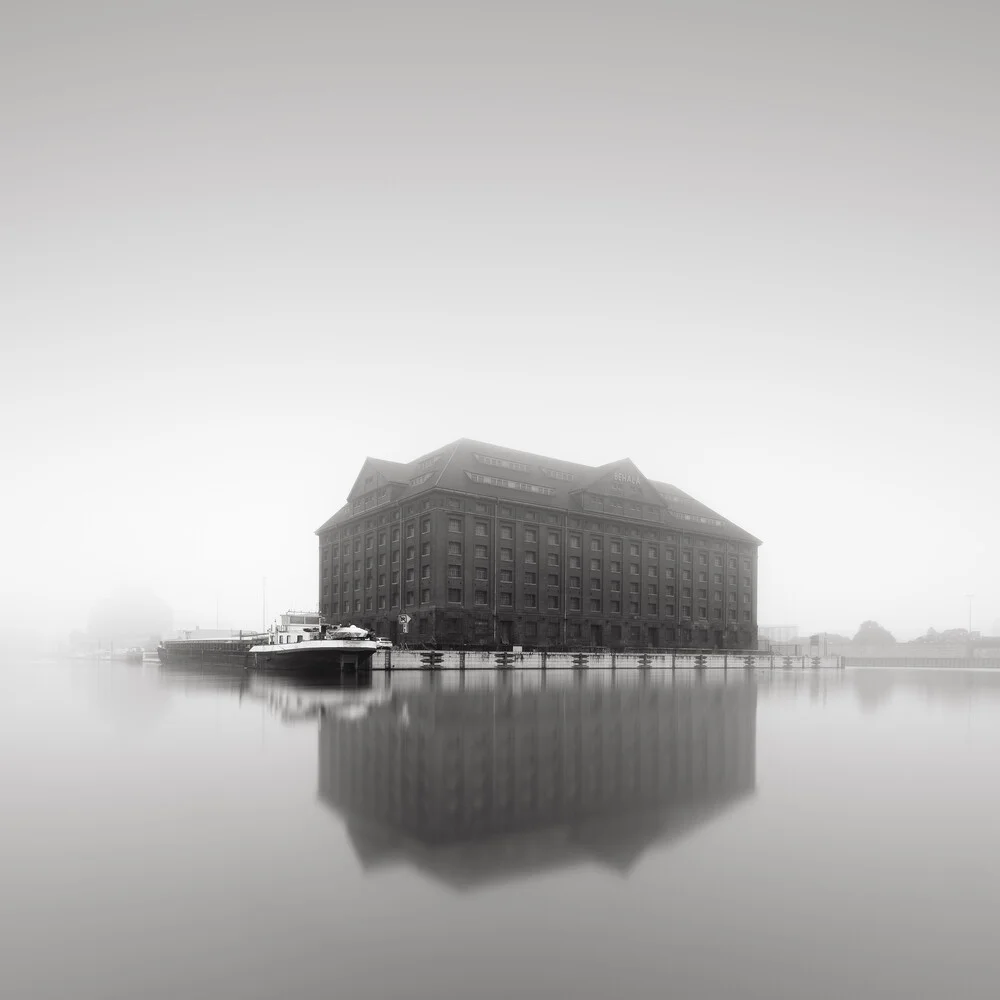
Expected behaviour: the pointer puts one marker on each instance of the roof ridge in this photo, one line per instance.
(533, 454)
(444, 468)
(386, 461)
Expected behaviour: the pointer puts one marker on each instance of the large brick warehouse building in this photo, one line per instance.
(483, 546)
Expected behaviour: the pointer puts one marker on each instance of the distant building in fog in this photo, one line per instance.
(131, 616)
(478, 785)
(205, 633)
(778, 633)
(482, 545)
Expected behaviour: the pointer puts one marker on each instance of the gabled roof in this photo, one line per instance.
(606, 473)
(462, 460)
(390, 472)
(683, 503)
(555, 481)
(394, 472)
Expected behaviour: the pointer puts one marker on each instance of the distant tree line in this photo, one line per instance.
(949, 635)
(870, 633)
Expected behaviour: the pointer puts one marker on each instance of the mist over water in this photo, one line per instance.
(697, 834)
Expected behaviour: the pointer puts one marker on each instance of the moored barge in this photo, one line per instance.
(301, 641)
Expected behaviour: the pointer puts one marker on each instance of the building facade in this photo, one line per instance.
(482, 546)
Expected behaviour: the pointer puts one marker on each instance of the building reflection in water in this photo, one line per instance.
(474, 786)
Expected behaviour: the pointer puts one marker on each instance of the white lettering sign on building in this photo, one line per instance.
(627, 478)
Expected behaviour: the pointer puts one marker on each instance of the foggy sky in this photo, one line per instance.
(752, 247)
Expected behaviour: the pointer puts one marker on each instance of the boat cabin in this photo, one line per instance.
(297, 626)
(304, 626)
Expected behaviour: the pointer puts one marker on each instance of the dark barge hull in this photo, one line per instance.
(302, 659)
(234, 653)
(237, 654)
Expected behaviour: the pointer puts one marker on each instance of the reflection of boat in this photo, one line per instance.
(131, 654)
(293, 697)
(301, 640)
(478, 784)
(295, 701)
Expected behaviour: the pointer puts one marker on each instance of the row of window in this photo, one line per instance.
(506, 575)
(530, 628)
(455, 572)
(427, 463)
(373, 499)
(531, 555)
(612, 505)
(509, 484)
(502, 463)
(482, 507)
(506, 600)
(531, 535)
(335, 606)
(530, 580)
(481, 572)
(515, 466)
(481, 551)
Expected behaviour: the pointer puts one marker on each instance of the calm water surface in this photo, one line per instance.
(726, 835)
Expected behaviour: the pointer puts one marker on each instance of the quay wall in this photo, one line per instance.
(926, 662)
(980, 649)
(409, 659)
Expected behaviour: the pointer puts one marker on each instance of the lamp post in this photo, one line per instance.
(969, 599)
